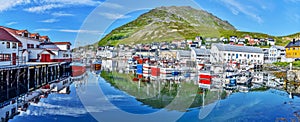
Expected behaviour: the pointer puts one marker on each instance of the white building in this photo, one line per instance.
(200, 55)
(35, 48)
(9, 47)
(275, 53)
(183, 55)
(224, 53)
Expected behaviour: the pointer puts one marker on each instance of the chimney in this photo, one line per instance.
(293, 41)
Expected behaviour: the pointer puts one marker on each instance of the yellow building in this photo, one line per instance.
(293, 49)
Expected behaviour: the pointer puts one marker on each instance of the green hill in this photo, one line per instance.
(167, 24)
(178, 23)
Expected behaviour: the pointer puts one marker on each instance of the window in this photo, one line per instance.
(37, 46)
(30, 45)
(14, 45)
(224, 54)
(7, 44)
(68, 47)
(5, 57)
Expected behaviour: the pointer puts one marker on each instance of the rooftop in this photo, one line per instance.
(202, 51)
(294, 44)
(234, 48)
(6, 36)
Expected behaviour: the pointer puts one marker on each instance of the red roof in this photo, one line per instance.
(44, 37)
(62, 43)
(6, 36)
(34, 34)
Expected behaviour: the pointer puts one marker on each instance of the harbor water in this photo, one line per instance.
(118, 99)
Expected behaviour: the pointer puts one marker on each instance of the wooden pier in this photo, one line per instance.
(19, 80)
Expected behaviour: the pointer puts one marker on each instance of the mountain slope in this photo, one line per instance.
(167, 24)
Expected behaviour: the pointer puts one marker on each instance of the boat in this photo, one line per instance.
(78, 69)
(96, 65)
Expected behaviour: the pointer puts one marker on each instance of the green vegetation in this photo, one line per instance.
(264, 88)
(284, 64)
(167, 24)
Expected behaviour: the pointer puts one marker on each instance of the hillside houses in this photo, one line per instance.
(23, 46)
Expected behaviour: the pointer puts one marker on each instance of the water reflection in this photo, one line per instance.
(209, 105)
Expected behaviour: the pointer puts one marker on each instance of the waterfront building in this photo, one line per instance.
(55, 52)
(293, 49)
(224, 53)
(36, 48)
(9, 46)
(275, 53)
(266, 55)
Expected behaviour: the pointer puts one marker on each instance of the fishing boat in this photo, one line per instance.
(78, 69)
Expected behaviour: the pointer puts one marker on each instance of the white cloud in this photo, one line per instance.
(43, 8)
(80, 31)
(237, 7)
(114, 16)
(50, 20)
(61, 14)
(8, 4)
(73, 2)
(112, 5)
(11, 23)
(43, 29)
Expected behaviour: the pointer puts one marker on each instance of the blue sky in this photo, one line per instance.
(86, 21)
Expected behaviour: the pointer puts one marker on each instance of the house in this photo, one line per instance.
(145, 53)
(34, 47)
(106, 53)
(9, 48)
(270, 41)
(201, 55)
(55, 52)
(183, 55)
(168, 54)
(233, 39)
(225, 53)
(29, 43)
(293, 49)
(275, 53)
(266, 55)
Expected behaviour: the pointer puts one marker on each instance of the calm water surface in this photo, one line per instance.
(252, 106)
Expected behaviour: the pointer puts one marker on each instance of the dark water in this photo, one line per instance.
(83, 105)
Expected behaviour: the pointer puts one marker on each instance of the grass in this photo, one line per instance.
(285, 64)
